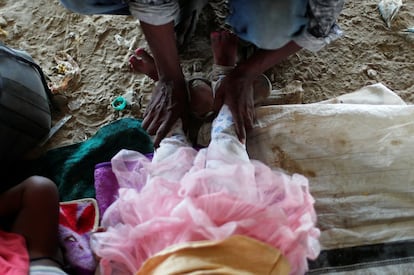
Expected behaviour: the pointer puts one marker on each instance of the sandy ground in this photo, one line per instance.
(100, 46)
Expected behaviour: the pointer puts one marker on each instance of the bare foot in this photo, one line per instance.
(143, 62)
(224, 45)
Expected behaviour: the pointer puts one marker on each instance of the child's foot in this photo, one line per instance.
(223, 123)
(144, 63)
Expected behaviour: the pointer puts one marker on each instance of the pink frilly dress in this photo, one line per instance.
(203, 195)
(184, 195)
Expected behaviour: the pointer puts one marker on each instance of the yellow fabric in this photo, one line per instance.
(235, 255)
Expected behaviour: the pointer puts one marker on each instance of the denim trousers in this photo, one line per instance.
(269, 24)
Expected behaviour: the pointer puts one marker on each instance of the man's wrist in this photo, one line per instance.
(174, 76)
(243, 70)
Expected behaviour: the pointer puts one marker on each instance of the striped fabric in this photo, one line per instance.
(46, 270)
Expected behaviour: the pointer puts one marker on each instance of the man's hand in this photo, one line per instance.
(169, 102)
(236, 89)
(237, 93)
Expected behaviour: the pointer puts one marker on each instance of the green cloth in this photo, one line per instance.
(72, 167)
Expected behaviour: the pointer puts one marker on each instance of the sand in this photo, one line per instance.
(368, 53)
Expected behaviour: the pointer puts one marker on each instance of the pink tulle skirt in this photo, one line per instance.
(204, 195)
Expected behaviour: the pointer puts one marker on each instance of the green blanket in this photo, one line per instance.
(72, 167)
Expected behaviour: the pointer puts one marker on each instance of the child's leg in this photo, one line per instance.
(224, 141)
(33, 207)
(170, 144)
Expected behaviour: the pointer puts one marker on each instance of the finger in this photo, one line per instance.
(157, 140)
(149, 117)
(185, 120)
(148, 110)
(242, 137)
(149, 128)
(163, 130)
(239, 126)
(152, 110)
(241, 134)
(249, 119)
(154, 102)
(145, 123)
(154, 126)
(155, 123)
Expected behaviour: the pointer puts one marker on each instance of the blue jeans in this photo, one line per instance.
(97, 6)
(269, 24)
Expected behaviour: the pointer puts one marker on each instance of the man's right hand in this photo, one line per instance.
(169, 102)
